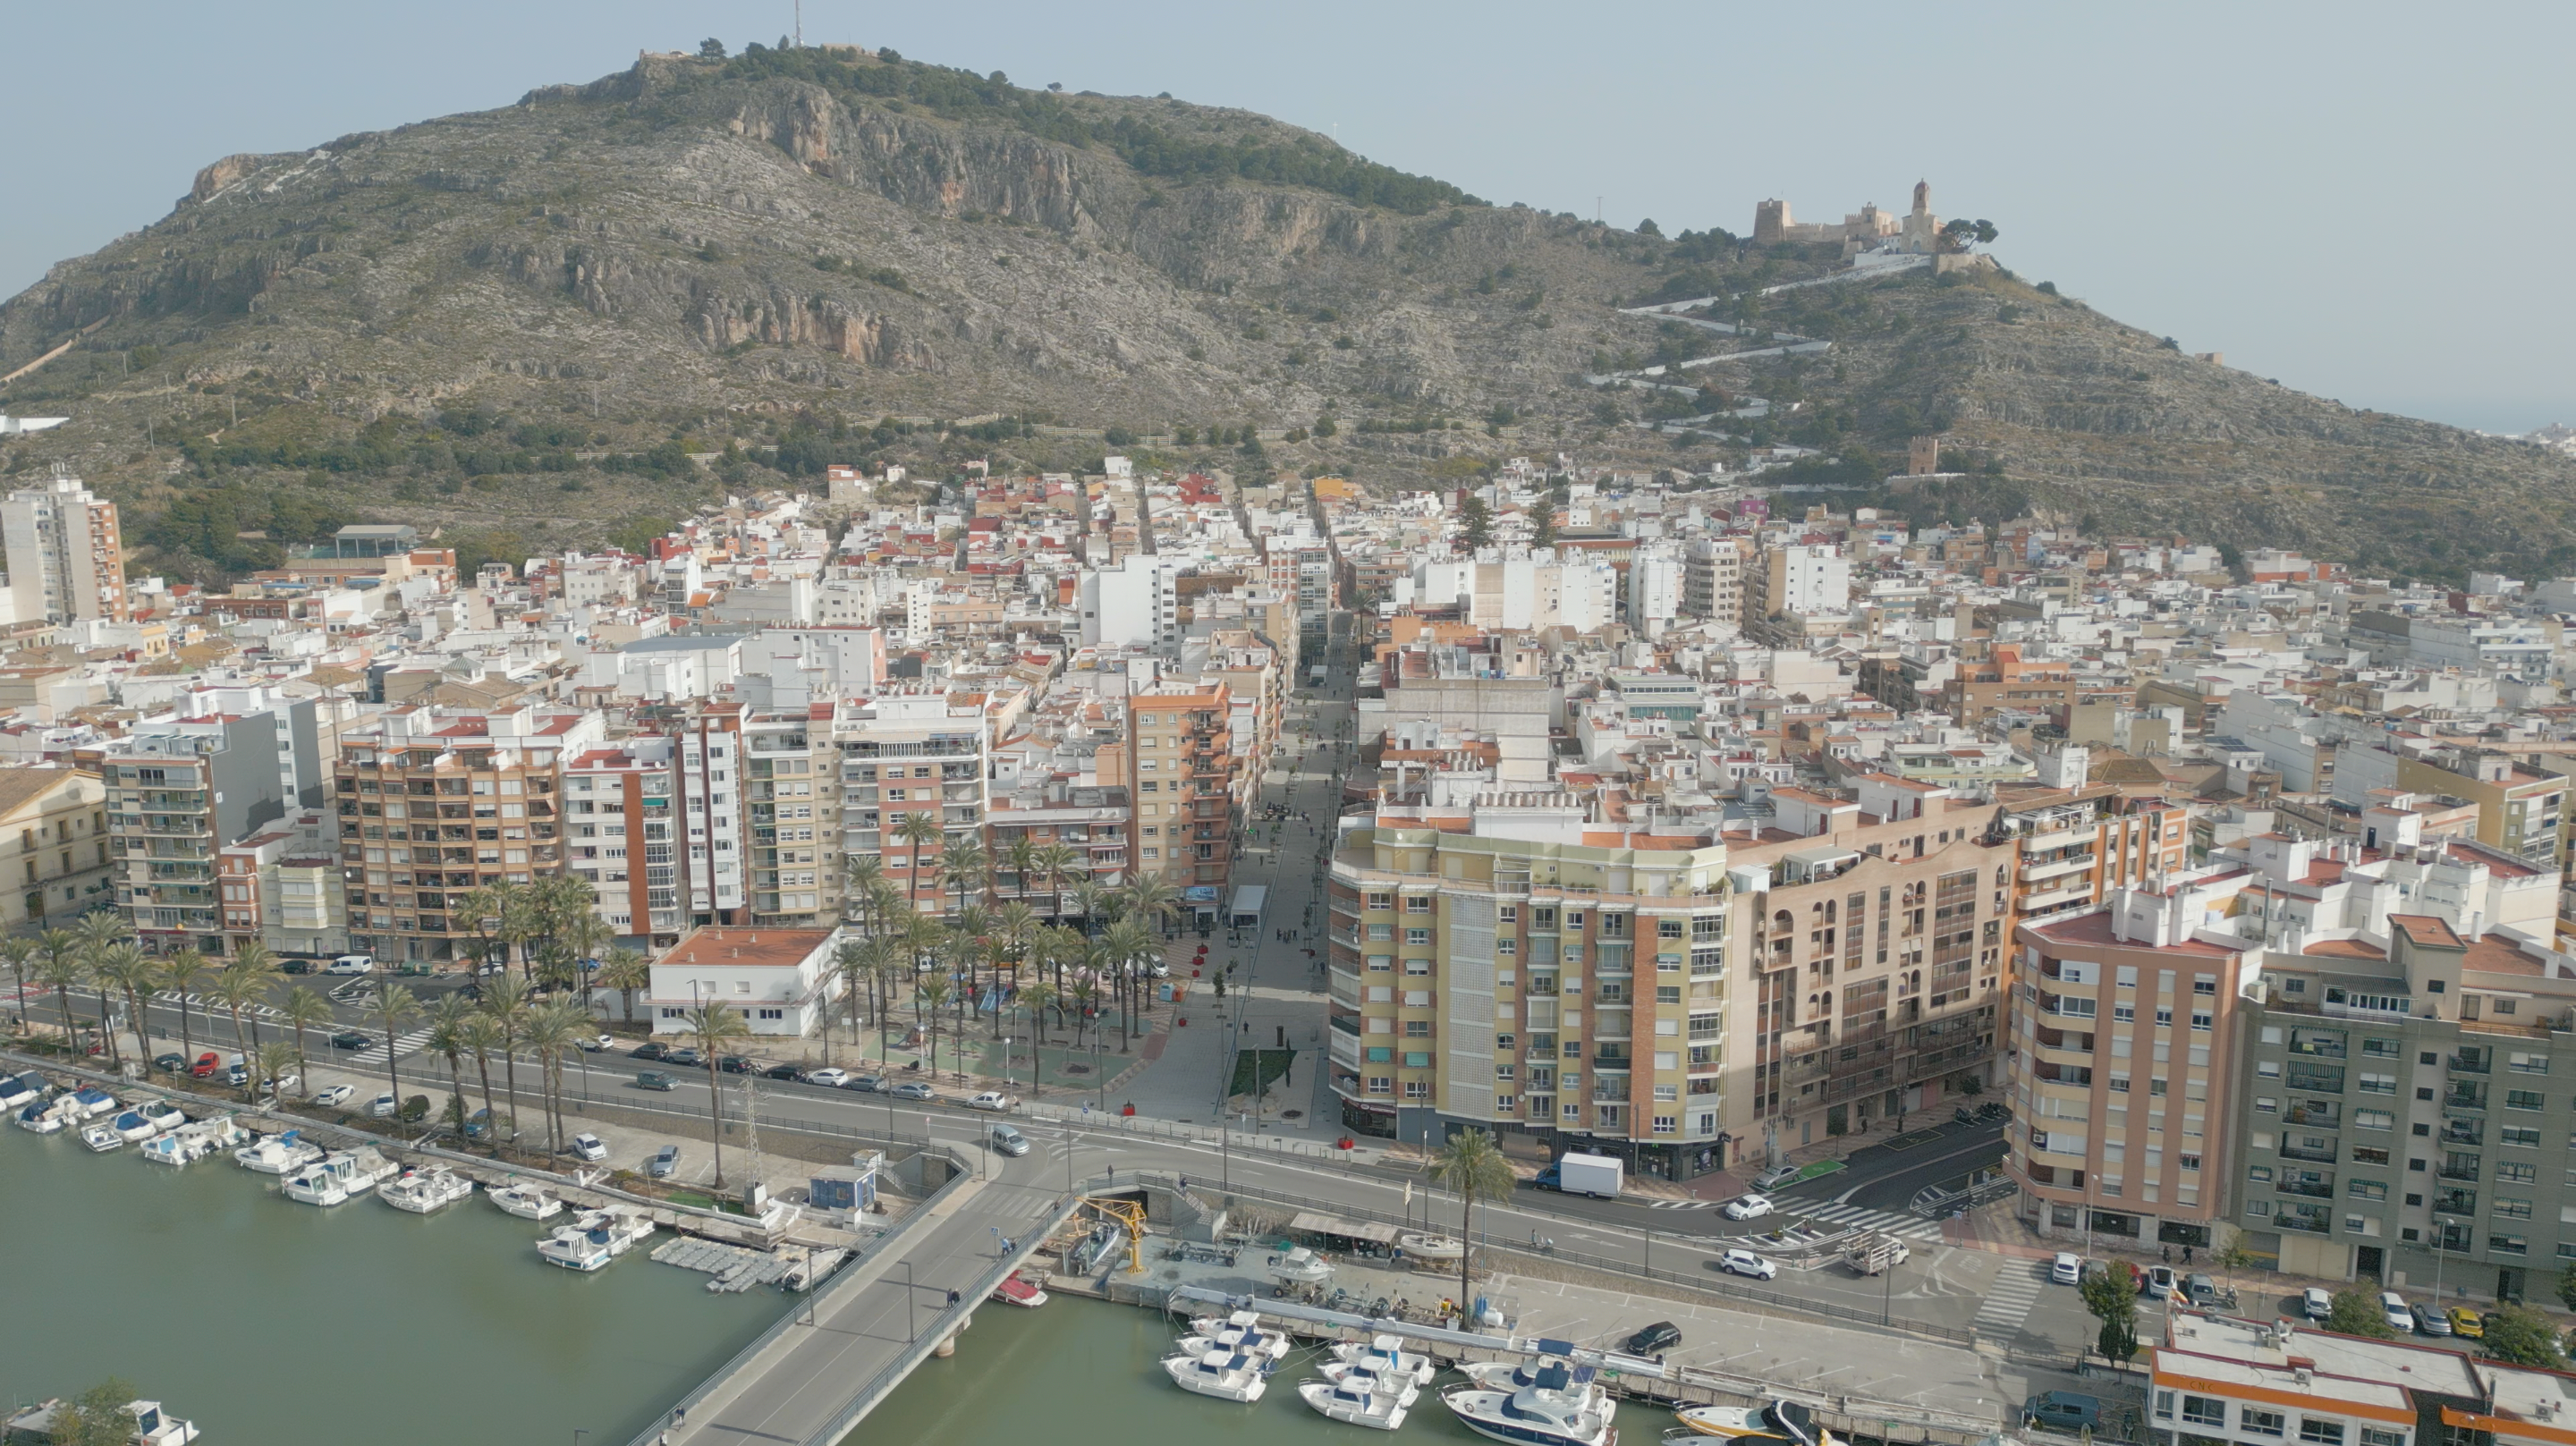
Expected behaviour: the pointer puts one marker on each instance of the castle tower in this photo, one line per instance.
(1923, 198)
(1922, 456)
(1770, 222)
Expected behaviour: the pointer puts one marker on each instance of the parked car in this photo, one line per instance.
(650, 1049)
(279, 1085)
(1746, 1207)
(2067, 1268)
(828, 1078)
(206, 1065)
(2468, 1324)
(866, 1084)
(1745, 1262)
(352, 1039)
(666, 1163)
(784, 1071)
(294, 966)
(1777, 1176)
(170, 1063)
(2161, 1282)
(2429, 1319)
(737, 1064)
(685, 1056)
(383, 1107)
(2063, 1411)
(1007, 1140)
(2200, 1289)
(599, 1044)
(2392, 1307)
(989, 1100)
(1663, 1335)
(588, 1147)
(351, 964)
(912, 1089)
(654, 1079)
(2315, 1302)
(237, 1075)
(336, 1096)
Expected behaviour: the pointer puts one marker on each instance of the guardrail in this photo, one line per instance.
(847, 1277)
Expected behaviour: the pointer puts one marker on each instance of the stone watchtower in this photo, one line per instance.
(1770, 222)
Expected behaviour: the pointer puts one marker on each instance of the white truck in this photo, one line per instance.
(1575, 1173)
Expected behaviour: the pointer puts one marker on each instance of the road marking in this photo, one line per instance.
(2016, 1289)
(376, 1054)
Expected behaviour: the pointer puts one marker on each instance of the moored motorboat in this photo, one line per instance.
(425, 1192)
(1404, 1388)
(316, 1184)
(594, 1238)
(1548, 1413)
(278, 1154)
(1387, 1356)
(190, 1143)
(1781, 1423)
(1241, 1330)
(102, 1138)
(1015, 1291)
(528, 1202)
(89, 1102)
(1513, 1375)
(1433, 1248)
(1351, 1402)
(361, 1169)
(1226, 1375)
(46, 1117)
(21, 1089)
(132, 1125)
(163, 1114)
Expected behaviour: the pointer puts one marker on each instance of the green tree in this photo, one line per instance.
(305, 1010)
(625, 972)
(505, 1003)
(711, 49)
(482, 1035)
(1473, 1165)
(237, 989)
(2117, 1340)
(276, 1061)
(2521, 1336)
(60, 969)
(97, 1416)
(17, 950)
(716, 1026)
(1475, 524)
(2567, 1286)
(449, 1039)
(183, 972)
(2356, 1312)
(395, 1007)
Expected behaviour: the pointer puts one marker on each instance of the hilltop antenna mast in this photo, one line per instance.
(800, 24)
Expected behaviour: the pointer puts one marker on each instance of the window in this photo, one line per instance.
(2200, 1021)
(2366, 1189)
(2255, 1421)
(1667, 1124)
(2499, 1243)
(2204, 1410)
(2522, 1099)
(2373, 1120)
(2377, 1084)
(2524, 1136)
(2380, 1436)
(2189, 1162)
(2509, 1208)
(2320, 1433)
(2527, 1063)
(2122, 1013)
(1417, 936)
(2513, 1172)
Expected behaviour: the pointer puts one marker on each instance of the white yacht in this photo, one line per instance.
(188, 1144)
(21, 1089)
(1514, 1375)
(1781, 1423)
(316, 1184)
(528, 1202)
(89, 1102)
(1352, 1402)
(1387, 1356)
(1300, 1267)
(1342, 1373)
(594, 1238)
(1548, 1412)
(425, 1192)
(135, 1125)
(1240, 1331)
(1434, 1248)
(277, 1154)
(162, 1114)
(46, 1117)
(362, 1169)
(1226, 1375)
(102, 1138)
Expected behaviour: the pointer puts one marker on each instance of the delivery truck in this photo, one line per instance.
(1575, 1173)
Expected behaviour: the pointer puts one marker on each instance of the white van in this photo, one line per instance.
(351, 964)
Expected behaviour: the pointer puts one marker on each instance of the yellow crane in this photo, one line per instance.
(1129, 1216)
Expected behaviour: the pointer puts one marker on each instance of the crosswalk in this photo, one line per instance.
(376, 1053)
(2017, 1287)
(1828, 1213)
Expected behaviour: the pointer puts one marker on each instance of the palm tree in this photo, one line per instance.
(1471, 1164)
(715, 1027)
(505, 1003)
(99, 928)
(18, 949)
(551, 1029)
(450, 1037)
(886, 911)
(182, 972)
(253, 955)
(1056, 860)
(1086, 999)
(1124, 948)
(1150, 899)
(962, 865)
(62, 968)
(929, 994)
(850, 961)
(136, 974)
(918, 830)
(481, 1035)
(1089, 894)
(395, 1006)
(864, 872)
(485, 910)
(1038, 996)
(625, 971)
(1021, 854)
(305, 1009)
(94, 973)
(271, 1069)
(237, 989)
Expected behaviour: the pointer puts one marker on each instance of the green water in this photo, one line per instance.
(1084, 1373)
(280, 1324)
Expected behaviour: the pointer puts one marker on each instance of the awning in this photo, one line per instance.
(1314, 1223)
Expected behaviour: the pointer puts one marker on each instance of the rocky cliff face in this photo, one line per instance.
(681, 247)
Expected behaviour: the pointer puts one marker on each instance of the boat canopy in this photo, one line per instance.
(1316, 1223)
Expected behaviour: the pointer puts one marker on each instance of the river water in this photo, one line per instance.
(1084, 1373)
(280, 1324)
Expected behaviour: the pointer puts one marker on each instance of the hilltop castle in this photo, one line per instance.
(1917, 233)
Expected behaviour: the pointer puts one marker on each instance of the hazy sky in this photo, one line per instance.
(2353, 198)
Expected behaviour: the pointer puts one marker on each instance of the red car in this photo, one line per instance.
(206, 1065)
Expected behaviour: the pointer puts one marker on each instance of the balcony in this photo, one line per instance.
(2456, 1202)
(2321, 1154)
(2312, 1189)
(2312, 1077)
(2456, 1170)
(2312, 1224)
(2465, 1095)
(2472, 1061)
(2316, 1114)
(2056, 868)
(2464, 1132)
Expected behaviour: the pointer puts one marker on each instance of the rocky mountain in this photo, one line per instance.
(534, 318)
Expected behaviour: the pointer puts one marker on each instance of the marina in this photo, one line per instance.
(357, 1294)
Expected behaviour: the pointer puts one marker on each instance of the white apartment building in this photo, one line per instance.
(1134, 605)
(1808, 580)
(66, 556)
(1523, 592)
(1655, 578)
